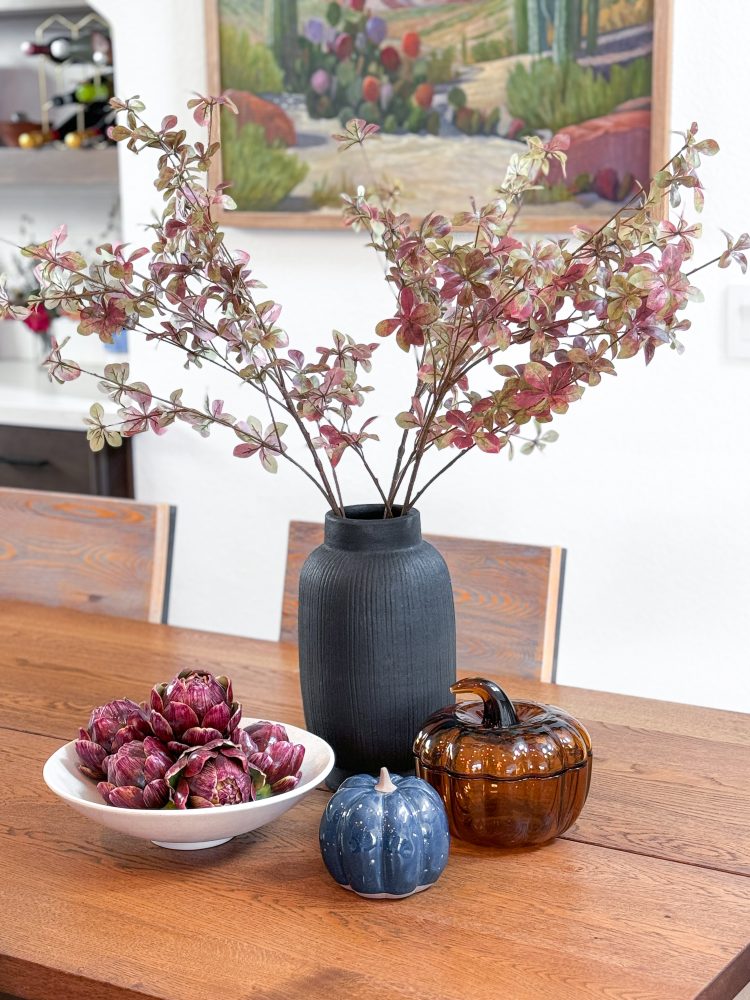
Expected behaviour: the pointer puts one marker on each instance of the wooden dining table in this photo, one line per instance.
(646, 896)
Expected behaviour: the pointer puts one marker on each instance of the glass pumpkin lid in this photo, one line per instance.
(500, 739)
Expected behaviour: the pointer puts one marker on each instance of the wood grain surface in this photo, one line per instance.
(507, 599)
(568, 920)
(95, 554)
(647, 897)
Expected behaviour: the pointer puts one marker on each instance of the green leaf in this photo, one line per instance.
(95, 437)
(117, 373)
(578, 356)
(119, 132)
(407, 421)
(709, 147)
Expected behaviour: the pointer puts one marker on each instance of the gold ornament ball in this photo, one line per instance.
(74, 140)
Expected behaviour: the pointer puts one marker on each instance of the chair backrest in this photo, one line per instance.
(89, 553)
(508, 599)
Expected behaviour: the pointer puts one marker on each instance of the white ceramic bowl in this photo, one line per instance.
(189, 829)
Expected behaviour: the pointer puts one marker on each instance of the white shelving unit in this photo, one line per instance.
(41, 7)
(72, 168)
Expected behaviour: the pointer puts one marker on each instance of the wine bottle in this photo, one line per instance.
(101, 44)
(65, 49)
(97, 115)
(85, 93)
(35, 49)
(71, 49)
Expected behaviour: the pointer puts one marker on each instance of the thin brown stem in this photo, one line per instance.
(439, 473)
(397, 468)
(342, 508)
(707, 264)
(189, 409)
(288, 402)
(283, 453)
(291, 409)
(305, 472)
(387, 512)
(451, 463)
(638, 194)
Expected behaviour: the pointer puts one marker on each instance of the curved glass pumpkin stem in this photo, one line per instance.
(498, 708)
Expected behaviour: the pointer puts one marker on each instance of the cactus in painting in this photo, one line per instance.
(521, 25)
(592, 26)
(536, 20)
(284, 34)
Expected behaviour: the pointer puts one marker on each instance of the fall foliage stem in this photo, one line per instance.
(707, 264)
(186, 409)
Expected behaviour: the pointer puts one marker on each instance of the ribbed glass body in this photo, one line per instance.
(510, 774)
(377, 638)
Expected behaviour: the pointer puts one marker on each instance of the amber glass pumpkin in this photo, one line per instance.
(510, 773)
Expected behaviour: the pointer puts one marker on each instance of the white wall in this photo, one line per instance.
(648, 487)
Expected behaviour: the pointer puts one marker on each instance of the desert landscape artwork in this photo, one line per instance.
(455, 86)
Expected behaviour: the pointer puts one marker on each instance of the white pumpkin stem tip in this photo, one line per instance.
(385, 784)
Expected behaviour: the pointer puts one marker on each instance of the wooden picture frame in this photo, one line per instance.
(533, 219)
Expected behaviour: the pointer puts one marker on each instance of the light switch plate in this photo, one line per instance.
(738, 322)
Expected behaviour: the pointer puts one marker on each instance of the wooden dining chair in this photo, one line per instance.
(97, 554)
(508, 600)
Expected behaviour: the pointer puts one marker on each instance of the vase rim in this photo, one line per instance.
(364, 513)
(365, 529)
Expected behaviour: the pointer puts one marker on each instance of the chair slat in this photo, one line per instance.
(97, 554)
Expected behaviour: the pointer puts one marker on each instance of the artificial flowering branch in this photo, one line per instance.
(572, 309)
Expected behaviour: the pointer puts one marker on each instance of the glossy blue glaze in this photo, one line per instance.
(385, 843)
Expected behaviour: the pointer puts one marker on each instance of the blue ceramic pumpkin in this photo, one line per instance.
(385, 837)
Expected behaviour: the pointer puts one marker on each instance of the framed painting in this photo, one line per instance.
(454, 85)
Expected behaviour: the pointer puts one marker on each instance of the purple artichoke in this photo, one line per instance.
(280, 762)
(193, 709)
(110, 727)
(264, 733)
(135, 775)
(217, 774)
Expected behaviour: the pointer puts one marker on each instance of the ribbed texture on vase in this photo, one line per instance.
(377, 641)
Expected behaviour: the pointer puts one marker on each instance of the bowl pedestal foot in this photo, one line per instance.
(197, 846)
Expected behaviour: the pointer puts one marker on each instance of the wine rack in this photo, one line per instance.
(74, 30)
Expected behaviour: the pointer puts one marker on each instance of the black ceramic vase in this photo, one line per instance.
(377, 638)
